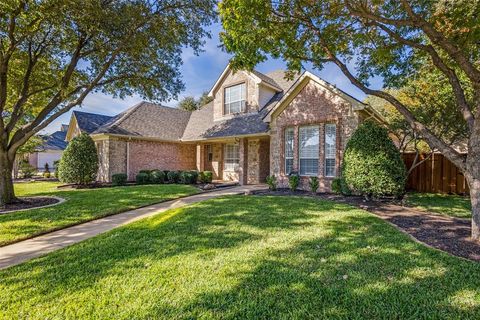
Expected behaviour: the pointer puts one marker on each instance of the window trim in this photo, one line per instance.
(325, 151)
(299, 151)
(236, 160)
(243, 107)
(292, 157)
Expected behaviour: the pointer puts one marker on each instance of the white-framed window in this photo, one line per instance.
(309, 150)
(289, 137)
(235, 99)
(232, 157)
(330, 149)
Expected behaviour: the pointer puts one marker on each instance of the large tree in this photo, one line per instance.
(365, 38)
(53, 53)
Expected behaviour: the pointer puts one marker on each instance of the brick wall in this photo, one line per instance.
(314, 105)
(160, 155)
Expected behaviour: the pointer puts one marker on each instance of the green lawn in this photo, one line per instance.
(450, 205)
(246, 258)
(81, 205)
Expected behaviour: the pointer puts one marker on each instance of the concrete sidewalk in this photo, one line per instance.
(22, 251)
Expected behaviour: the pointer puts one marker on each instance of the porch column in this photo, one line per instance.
(200, 157)
(243, 163)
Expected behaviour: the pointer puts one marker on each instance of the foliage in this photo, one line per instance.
(82, 205)
(206, 176)
(188, 177)
(56, 52)
(173, 176)
(293, 181)
(119, 179)
(27, 169)
(47, 167)
(142, 178)
(157, 177)
(79, 162)
(339, 186)
(46, 174)
(189, 103)
(372, 165)
(314, 184)
(306, 259)
(55, 166)
(272, 182)
(204, 99)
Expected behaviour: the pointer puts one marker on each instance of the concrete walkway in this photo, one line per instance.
(22, 251)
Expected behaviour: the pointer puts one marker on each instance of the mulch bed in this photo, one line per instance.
(28, 203)
(445, 233)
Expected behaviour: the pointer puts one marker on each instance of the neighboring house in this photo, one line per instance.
(257, 124)
(50, 150)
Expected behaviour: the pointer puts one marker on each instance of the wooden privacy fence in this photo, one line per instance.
(436, 174)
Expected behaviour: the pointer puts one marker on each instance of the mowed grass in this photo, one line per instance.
(246, 257)
(81, 205)
(446, 204)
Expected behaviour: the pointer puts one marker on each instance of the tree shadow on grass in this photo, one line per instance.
(364, 270)
(207, 226)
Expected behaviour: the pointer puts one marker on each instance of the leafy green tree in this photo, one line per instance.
(390, 39)
(188, 104)
(204, 99)
(53, 53)
(372, 164)
(79, 162)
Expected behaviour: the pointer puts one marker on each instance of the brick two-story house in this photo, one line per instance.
(257, 124)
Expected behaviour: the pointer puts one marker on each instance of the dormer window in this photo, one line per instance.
(235, 99)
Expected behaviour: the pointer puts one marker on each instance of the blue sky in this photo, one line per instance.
(199, 74)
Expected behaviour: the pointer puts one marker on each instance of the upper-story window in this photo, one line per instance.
(235, 99)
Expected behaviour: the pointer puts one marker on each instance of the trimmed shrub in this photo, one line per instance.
(188, 177)
(166, 173)
(145, 171)
(293, 181)
(79, 162)
(27, 169)
(55, 166)
(372, 165)
(46, 174)
(339, 186)
(272, 182)
(207, 176)
(47, 168)
(157, 177)
(173, 176)
(142, 178)
(119, 179)
(314, 184)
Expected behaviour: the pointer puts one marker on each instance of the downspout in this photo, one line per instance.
(128, 158)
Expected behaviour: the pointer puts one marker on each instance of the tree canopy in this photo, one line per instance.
(53, 53)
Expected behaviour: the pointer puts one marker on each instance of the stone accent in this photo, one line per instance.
(243, 165)
(253, 162)
(314, 105)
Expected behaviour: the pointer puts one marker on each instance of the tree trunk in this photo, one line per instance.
(475, 199)
(473, 177)
(7, 193)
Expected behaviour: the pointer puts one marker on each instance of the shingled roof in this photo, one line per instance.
(148, 120)
(55, 141)
(201, 125)
(89, 122)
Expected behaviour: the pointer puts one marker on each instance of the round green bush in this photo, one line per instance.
(293, 181)
(157, 177)
(372, 165)
(119, 179)
(173, 176)
(188, 177)
(79, 162)
(208, 176)
(142, 178)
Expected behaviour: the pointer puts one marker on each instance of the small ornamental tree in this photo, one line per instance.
(79, 162)
(372, 165)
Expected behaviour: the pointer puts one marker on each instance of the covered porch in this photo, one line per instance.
(242, 159)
